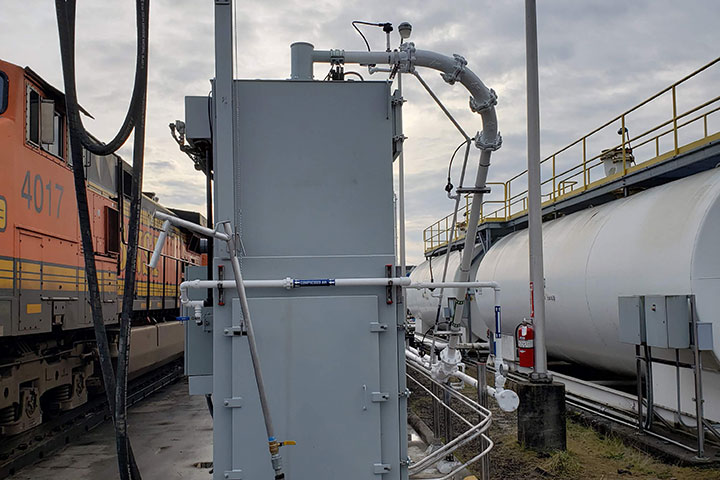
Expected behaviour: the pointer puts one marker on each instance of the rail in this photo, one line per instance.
(573, 170)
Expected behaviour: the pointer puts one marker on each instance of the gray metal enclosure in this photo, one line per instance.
(310, 192)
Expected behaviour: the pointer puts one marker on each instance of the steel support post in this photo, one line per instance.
(537, 282)
(436, 411)
(447, 419)
(483, 401)
(697, 369)
(224, 178)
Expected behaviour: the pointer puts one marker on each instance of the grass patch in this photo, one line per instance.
(562, 464)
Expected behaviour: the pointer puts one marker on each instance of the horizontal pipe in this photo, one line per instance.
(179, 222)
(289, 283)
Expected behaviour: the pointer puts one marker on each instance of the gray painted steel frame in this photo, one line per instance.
(310, 191)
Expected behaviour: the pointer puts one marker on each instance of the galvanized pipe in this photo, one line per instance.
(255, 358)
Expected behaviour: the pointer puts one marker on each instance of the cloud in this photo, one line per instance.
(597, 59)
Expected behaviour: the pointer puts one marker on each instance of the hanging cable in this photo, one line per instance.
(449, 185)
(355, 26)
(115, 389)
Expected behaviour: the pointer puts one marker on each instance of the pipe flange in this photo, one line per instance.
(407, 64)
(485, 145)
(479, 107)
(453, 77)
(337, 56)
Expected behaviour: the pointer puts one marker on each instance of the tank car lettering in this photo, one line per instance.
(33, 191)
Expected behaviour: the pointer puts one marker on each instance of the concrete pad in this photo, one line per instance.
(171, 433)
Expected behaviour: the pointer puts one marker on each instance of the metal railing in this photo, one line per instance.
(654, 145)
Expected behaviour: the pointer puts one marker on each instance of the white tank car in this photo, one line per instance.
(663, 241)
(423, 303)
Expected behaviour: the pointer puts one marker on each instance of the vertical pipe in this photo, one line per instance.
(483, 401)
(537, 283)
(436, 411)
(447, 417)
(301, 61)
(699, 415)
(401, 185)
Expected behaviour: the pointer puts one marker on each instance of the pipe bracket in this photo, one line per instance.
(337, 56)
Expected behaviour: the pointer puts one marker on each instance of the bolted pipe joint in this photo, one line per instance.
(454, 76)
(406, 62)
(480, 107)
(487, 145)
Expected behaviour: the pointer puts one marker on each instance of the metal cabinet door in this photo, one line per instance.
(320, 358)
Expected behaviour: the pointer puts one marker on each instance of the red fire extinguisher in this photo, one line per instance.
(525, 341)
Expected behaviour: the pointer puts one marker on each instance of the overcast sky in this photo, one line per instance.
(597, 59)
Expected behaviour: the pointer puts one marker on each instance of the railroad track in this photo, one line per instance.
(28, 447)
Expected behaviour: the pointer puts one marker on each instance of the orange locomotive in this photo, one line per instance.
(47, 350)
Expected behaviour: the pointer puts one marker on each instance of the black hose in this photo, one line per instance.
(209, 401)
(135, 118)
(67, 48)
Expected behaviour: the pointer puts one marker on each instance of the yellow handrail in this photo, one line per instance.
(566, 183)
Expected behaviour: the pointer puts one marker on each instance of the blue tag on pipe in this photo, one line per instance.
(320, 282)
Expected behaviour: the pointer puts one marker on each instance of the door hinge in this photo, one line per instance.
(233, 474)
(378, 327)
(381, 468)
(234, 331)
(380, 396)
(234, 402)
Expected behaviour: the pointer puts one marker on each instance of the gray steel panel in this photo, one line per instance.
(198, 338)
(678, 324)
(632, 321)
(656, 321)
(323, 365)
(705, 336)
(667, 320)
(197, 118)
(314, 161)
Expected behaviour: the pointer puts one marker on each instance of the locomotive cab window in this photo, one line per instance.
(3, 92)
(44, 125)
(112, 230)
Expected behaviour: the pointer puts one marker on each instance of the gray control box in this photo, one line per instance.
(705, 336)
(667, 321)
(197, 118)
(198, 339)
(631, 312)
